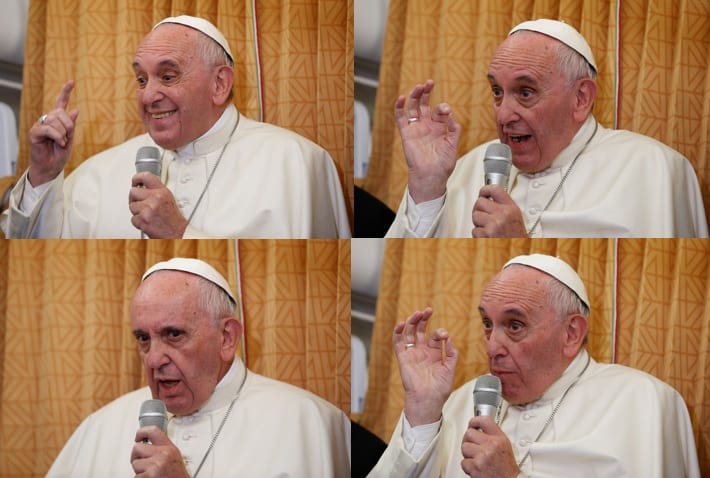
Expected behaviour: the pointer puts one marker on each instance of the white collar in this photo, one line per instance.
(214, 138)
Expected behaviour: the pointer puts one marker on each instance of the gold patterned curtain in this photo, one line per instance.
(66, 346)
(654, 73)
(293, 67)
(648, 298)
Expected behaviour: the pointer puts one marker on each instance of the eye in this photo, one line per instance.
(174, 334)
(141, 81)
(526, 93)
(143, 341)
(168, 78)
(487, 326)
(516, 326)
(497, 91)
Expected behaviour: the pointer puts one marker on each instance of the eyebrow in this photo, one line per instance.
(512, 311)
(518, 79)
(163, 64)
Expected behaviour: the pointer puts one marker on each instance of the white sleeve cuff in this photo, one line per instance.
(421, 216)
(417, 439)
(31, 195)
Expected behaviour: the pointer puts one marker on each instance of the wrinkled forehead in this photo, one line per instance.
(170, 39)
(525, 45)
(167, 285)
(517, 284)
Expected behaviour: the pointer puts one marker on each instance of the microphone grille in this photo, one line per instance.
(487, 390)
(497, 159)
(153, 413)
(147, 152)
(148, 159)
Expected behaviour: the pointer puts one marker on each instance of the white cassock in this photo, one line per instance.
(270, 183)
(273, 430)
(615, 422)
(623, 185)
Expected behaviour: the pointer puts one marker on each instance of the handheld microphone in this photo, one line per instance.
(487, 398)
(148, 159)
(153, 413)
(496, 164)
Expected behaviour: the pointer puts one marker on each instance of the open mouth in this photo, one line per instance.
(162, 115)
(519, 138)
(168, 384)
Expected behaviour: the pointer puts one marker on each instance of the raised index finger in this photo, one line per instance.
(63, 97)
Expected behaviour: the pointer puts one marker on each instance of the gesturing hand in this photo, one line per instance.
(427, 373)
(51, 139)
(430, 140)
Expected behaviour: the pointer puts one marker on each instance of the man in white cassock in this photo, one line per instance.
(562, 415)
(223, 175)
(223, 420)
(570, 176)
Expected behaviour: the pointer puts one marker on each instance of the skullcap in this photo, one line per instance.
(557, 268)
(193, 266)
(202, 25)
(562, 32)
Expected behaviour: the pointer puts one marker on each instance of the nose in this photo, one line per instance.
(506, 111)
(495, 344)
(155, 357)
(150, 93)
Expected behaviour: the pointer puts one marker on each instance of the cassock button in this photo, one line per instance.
(527, 416)
(524, 442)
(533, 211)
(186, 179)
(536, 184)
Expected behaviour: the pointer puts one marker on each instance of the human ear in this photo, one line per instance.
(585, 94)
(222, 86)
(575, 334)
(231, 333)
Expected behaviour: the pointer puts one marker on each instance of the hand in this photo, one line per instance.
(486, 450)
(427, 379)
(430, 140)
(154, 209)
(51, 143)
(495, 214)
(159, 458)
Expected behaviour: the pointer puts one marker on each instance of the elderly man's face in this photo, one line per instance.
(524, 338)
(533, 101)
(179, 344)
(174, 93)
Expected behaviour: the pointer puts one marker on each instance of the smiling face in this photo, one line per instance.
(537, 109)
(527, 343)
(185, 352)
(179, 95)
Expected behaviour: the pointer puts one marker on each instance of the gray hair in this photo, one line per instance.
(213, 300)
(573, 65)
(212, 52)
(563, 300)
(570, 63)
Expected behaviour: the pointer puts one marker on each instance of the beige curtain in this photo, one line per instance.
(648, 298)
(293, 67)
(66, 347)
(654, 73)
